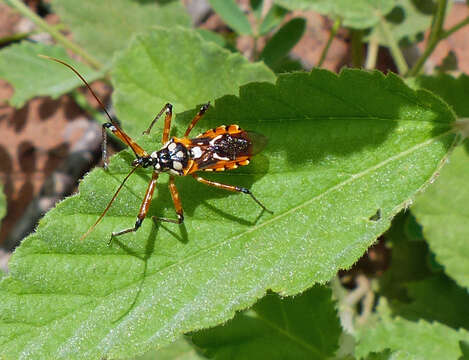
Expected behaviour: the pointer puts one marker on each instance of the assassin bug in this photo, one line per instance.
(225, 147)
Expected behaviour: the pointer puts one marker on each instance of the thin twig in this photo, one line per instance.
(372, 53)
(332, 34)
(436, 33)
(394, 48)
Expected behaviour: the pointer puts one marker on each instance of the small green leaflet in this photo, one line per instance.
(357, 14)
(33, 76)
(418, 339)
(105, 26)
(179, 67)
(340, 148)
(300, 327)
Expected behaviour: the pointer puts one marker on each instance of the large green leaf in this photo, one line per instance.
(33, 76)
(342, 149)
(358, 14)
(179, 67)
(420, 339)
(179, 350)
(102, 27)
(302, 327)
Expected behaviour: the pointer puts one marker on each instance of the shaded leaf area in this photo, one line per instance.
(103, 27)
(179, 67)
(181, 350)
(280, 44)
(443, 213)
(449, 88)
(358, 14)
(301, 327)
(415, 340)
(231, 14)
(341, 147)
(443, 210)
(418, 303)
(407, 21)
(33, 76)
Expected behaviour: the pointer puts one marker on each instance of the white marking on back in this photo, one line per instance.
(177, 165)
(218, 157)
(154, 154)
(172, 146)
(180, 154)
(196, 152)
(212, 142)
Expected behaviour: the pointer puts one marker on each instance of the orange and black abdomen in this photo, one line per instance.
(225, 147)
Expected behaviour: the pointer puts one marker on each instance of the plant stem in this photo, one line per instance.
(332, 34)
(357, 55)
(394, 48)
(372, 54)
(25, 11)
(436, 34)
(455, 28)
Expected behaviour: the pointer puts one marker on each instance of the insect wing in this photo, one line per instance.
(258, 142)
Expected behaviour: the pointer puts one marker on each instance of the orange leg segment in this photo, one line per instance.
(196, 118)
(177, 205)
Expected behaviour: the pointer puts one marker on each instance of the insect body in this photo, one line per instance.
(222, 148)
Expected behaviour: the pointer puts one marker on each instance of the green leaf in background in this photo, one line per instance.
(419, 340)
(33, 76)
(179, 350)
(283, 41)
(257, 6)
(443, 210)
(105, 26)
(179, 67)
(357, 14)
(340, 148)
(443, 213)
(272, 19)
(406, 21)
(301, 327)
(452, 90)
(230, 12)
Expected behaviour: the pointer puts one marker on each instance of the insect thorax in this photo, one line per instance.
(173, 157)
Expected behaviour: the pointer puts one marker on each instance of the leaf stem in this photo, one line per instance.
(394, 48)
(372, 54)
(436, 34)
(61, 39)
(455, 28)
(333, 32)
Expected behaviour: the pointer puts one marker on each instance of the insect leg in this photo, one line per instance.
(177, 205)
(138, 151)
(168, 110)
(196, 118)
(230, 188)
(143, 208)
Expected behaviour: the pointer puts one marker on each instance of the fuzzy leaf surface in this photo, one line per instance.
(105, 26)
(33, 76)
(179, 350)
(179, 67)
(301, 327)
(418, 340)
(340, 148)
(358, 14)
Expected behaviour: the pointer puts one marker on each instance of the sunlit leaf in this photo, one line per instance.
(179, 67)
(105, 26)
(33, 76)
(358, 14)
(340, 148)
